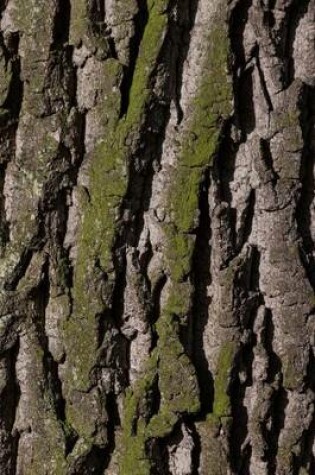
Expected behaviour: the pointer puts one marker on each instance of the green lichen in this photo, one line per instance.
(177, 379)
(82, 29)
(293, 367)
(288, 118)
(81, 332)
(176, 375)
(84, 413)
(79, 21)
(179, 251)
(133, 458)
(213, 104)
(214, 460)
(108, 186)
(179, 394)
(150, 46)
(34, 17)
(178, 301)
(222, 402)
(108, 175)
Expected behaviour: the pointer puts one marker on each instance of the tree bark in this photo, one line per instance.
(157, 220)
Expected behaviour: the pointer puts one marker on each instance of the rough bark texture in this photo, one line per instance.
(157, 228)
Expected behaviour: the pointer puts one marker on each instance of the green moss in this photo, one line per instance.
(80, 417)
(133, 458)
(162, 423)
(80, 451)
(179, 394)
(212, 424)
(177, 379)
(108, 185)
(214, 456)
(178, 302)
(178, 388)
(149, 49)
(79, 21)
(98, 224)
(288, 118)
(33, 17)
(212, 105)
(222, 402)
(293, 367)
(180, 248)
(80, 336)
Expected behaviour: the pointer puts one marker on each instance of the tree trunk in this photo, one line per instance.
(157, 220)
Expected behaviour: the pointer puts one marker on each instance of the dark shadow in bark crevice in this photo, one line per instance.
(241, 71)
(140, 22)
(303, 214)
(160, 448)
(8, 407)
(113, 422)
(157, 117)
(223, 174)
(61, 24)
(247, 219)
(4, 225)
(295, 12)
(52, 381)
(14, 98)
(91, 463)
(201, 300)
(157, 450)
(20, 269)
(180, 41)
(279, 398)
(143, 167)
(240, 452)
(263, 80)
(307, 458)
(99, 30)
(264, 146)
(279, 402)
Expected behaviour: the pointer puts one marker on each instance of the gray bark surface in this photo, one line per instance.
(157, 229)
